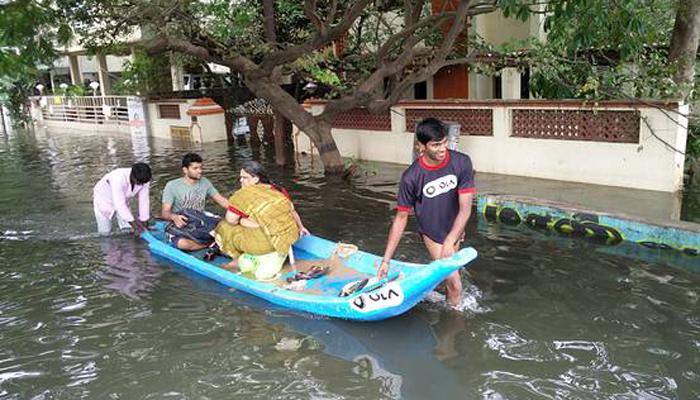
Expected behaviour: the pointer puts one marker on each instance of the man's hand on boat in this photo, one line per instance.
(383, 270)
(139, 226)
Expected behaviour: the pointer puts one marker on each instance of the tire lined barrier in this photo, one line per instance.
(611, 231)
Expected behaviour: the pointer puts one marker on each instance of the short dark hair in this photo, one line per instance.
(254, 168)
(141, 173)
(430, 129)
(190, 158)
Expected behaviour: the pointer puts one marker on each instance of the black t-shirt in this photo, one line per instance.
(433, 192)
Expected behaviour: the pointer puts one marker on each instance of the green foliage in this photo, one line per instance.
(29, 30)
(601, 49)
(228, 28)
(144, 74)
(77, 90)
(14, 94)
(693, 145)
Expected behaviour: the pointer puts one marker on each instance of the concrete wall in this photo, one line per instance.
(497, 29)
(208, 128)
(72, 126)
(368, 145)
(649, 164)
(480, 86)
(211, 128)
(160, 127)
(88, 64)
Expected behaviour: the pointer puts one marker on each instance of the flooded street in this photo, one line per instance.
(88, 317)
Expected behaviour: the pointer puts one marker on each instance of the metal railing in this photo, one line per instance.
(86, 109)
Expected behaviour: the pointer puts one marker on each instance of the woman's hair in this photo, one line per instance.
(254, 168)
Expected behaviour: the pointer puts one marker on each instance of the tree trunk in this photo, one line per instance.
(318, 130)
(269, 21)
(228, 121)
(330, 156)
(280, 139)
(228, 118)
(253, 125)
(268, 123)
(684, 44)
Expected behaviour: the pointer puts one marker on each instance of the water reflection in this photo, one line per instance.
(409, 365)
(124, 272)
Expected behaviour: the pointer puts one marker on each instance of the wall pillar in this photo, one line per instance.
(103, 75)
(177, 75)
(51, 79)
(76, 77)
(510, 83)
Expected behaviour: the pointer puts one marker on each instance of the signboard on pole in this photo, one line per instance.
(138, 127)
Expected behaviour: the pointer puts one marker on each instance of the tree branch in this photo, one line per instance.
(312, 15)
(382, 52)
(321, 39)
(417, 11)
(162, 44)
(269, 21)
(363, 96)
(285, 103)
(331, 14)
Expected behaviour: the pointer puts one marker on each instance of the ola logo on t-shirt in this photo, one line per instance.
(439, 186)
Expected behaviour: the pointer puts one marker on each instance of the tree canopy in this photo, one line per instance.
(602, 49)
(367, 53)
(29, 31)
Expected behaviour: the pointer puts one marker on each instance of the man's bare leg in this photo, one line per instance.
(190, 245)
(453, 283)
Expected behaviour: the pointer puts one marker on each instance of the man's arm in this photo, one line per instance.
(119, 200)
(220, 200)
(145, 203)
(397, 228)
(167, 214)
(465, 211)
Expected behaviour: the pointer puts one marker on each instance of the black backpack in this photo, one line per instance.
(199, 224)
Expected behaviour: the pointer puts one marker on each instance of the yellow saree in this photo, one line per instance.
(271, 210)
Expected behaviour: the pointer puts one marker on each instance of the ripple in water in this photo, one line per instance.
(543, 316)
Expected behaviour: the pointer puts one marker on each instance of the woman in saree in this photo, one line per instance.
(261, 222)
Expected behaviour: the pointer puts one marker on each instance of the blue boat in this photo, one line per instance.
(406, 285)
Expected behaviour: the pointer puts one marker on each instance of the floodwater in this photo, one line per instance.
(100, 318)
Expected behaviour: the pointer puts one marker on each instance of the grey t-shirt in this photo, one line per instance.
(181, 195)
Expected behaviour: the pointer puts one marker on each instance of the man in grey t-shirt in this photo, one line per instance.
(190, 191)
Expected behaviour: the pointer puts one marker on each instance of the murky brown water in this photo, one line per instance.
(85, 317)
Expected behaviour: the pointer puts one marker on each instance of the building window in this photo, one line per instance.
(169, 111)
(525, 84)
(497, 89)
(420, 90)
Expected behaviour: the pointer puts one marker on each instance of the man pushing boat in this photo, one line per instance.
(439, 188)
